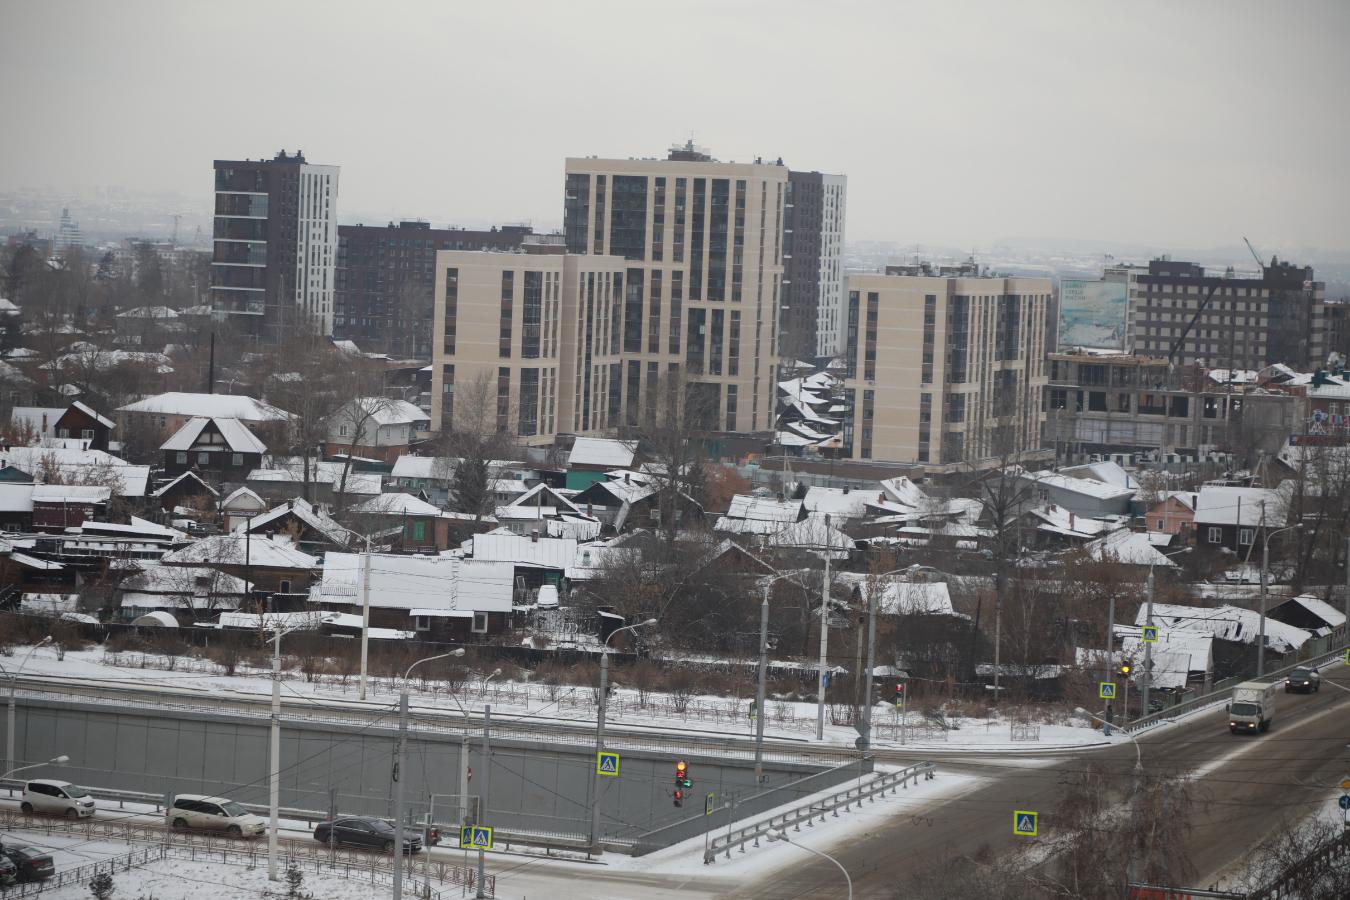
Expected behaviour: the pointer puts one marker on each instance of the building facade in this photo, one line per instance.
(528, 343)
(1179, 312)
(386, 279)
(813, 265)
(702, 244)
(275, 244)
(944, 370)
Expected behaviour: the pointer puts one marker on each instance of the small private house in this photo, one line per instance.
(536, 560)
(1235, 518)
(51, 507)
(240, 506)
(430, 475)
(375, 428)
(164, 414)
(190, 594)
(441, 598)
(546, 512)
(1081, 496)
(312, 530)
(78, 421)
(751, 514)
(1174, 513)
(279, 572)
(216, 449)
(187, 489)
(413, 525)
(627, 500)
(590, 458)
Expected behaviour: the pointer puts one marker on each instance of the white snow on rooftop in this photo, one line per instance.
(614, 454)
(230, 406)
(1229, 623)
(1223, 505)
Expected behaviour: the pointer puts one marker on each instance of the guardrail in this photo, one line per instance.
(1288, 884)
(808, 812)
(1221, 691)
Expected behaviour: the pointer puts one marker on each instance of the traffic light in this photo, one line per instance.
(679, 797)
(899, 694)
(1125, 668)
(682, 775)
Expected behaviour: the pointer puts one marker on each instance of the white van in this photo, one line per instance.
(212, 814)
(56, 798)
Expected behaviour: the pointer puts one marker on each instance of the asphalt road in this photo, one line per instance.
(1252, 786)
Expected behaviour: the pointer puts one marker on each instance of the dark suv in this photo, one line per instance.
(1303, 680)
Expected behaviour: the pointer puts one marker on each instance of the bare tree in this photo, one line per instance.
(682, 412)
(476, 434)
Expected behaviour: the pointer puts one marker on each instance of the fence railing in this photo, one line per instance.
(84, 874)
(1303, 873)
(808, 813)
(1220, 691)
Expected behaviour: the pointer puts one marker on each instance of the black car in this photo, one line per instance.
(365, 831)
(9, 873)
(1306, 681)
(32, 863)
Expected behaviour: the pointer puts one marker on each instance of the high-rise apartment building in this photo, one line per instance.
(275, 251)
(1249, 322)
(386, 277)
(531, 340)
(947, 370)
(813, 265)
(702, 243)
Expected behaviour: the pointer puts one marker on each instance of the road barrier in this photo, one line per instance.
(807, 813)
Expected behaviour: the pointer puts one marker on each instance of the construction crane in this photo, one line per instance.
(1256, 256)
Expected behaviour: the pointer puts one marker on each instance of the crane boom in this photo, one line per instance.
(1256, 256)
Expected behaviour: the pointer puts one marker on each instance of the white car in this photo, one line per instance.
(212, 814)
(57, 798)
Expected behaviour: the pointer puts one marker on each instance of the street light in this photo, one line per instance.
(777, 835)
(54, 761)
(763, 669)
(1265, 578)
(865, 738)
(1148, 645)
(600, 730)
(274, 752)
(398, 767)
(13, 683)
(1138, 757)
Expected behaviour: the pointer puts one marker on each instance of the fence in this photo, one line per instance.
(1318, 652)
(206, 846)
(750, 806)
(84, 874)
(1288, 883)
(807, 813)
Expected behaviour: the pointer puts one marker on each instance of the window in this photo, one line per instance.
(480, 622)
(1215, 535)
(1160, 525)
(1246, 535)
(342, 431)
(284, 586)
(182, 457)
(203, 459)
(63, 432)
(87, 434)
(236, 459)
(417, 531)
(422, 623)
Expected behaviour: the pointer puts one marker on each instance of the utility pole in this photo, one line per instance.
(1148, 647)
(1347, 584)
(871, 664)
(759, 690)
(1265, 569)
(824, 638)
(364, 562)
(487, 781)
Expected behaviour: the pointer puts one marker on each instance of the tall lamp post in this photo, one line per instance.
(398, 767)
(600, 730)
(777, 835)
(54, 761)
(274, 753)
(1265, 579)
(1148, 645)
(763, 671)
(13, 684)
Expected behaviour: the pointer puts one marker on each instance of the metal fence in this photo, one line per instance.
(807, 813)
(1319, 651)
(84, 874)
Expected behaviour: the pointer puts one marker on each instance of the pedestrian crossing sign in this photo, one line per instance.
(607, 763)
(1150, 634)
(1106, 690)
(475, 837)
(1025, 822)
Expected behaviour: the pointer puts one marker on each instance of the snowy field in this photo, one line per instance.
(184, 880)
(702, 715)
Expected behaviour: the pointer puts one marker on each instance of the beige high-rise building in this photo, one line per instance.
(944, 370)
(702, 256)
(533, 336)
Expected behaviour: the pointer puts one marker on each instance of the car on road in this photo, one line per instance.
(1304, 680)
(31, 863)
(212, 814)
(56, 798)
(365, 831)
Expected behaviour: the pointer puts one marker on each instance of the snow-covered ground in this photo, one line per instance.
(176, 879)
(707, 715)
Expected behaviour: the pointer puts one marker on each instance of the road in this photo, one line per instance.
(1253, 786)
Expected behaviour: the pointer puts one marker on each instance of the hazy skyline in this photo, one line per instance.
(959, 123)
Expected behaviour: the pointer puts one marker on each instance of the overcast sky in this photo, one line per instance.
(959, 123)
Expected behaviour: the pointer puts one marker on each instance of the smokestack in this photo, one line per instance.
(534, 536)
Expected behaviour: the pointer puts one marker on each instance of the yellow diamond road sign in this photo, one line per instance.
(1025, 822)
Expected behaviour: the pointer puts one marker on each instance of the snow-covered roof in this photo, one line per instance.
(1087, 487)
(189, 475)
(241, 495)
(237, 437)
(1228, 623)
(904, 492)
(194, 581)
(156, 619)
(384, 411)
(1320, 608)
(302, 510)
(1058, 520)
(1223, 505)
(587, 451)
(814, 535)
(429, 467)
(270, 622)
(544, 552)
(149, 312)
(324, 472)
(418, 582)
(16, 498)
(397, 505)
(1233, 376)
(71, 493)
(41, 419)
(1111, 473)
(264, 552)
(764, 509)
(838, 502)
(227, 406)
(1130, 547)
(905, 598)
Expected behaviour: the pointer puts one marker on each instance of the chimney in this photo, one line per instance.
(534, 536)
(44, 423)
(1071, 518)
(881, 497)
(590, 509)
(625, 478)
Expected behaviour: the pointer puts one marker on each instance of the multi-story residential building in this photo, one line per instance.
(386, 277)
(702, 243)
(945, 370)
(533, 339)
(1178, 311)
(1115, 405)
(813, 265)
(276, 244)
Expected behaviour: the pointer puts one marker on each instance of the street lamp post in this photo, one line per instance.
(398, 767)
(824, 637)
(274, 753)
(54, 761)
(600, 730)
(13, 684)
(763, 672)
(777, 835)
(1148, 645)
(1265, 579)
(866, 736)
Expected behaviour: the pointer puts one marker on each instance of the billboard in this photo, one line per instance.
(1092, 314)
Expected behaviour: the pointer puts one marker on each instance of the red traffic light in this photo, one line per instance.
(900, 688)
